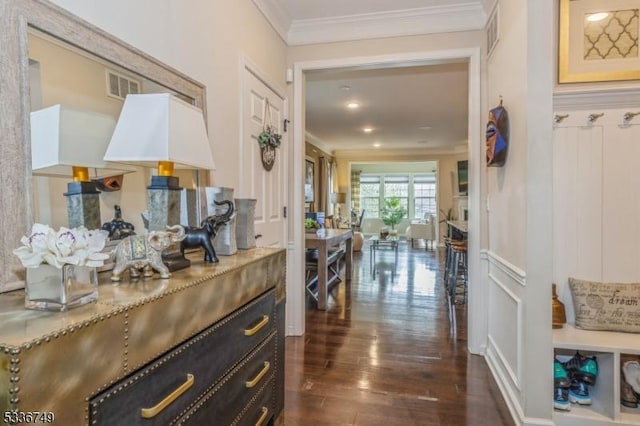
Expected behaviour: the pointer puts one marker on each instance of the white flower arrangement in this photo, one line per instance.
(76, 246)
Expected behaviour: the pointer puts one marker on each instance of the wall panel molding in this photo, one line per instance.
(515, 273)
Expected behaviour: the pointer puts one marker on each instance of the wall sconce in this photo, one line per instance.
(162, 131)
(71, 142)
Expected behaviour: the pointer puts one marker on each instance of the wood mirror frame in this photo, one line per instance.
(16, 197)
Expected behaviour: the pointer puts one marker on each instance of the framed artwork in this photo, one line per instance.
(309, 177)
(598, 41)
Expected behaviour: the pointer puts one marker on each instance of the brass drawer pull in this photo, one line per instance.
(260, 375)
(148, 413)
(254, 330)
(263, 417)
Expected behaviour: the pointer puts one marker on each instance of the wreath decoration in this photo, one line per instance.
(268, 140)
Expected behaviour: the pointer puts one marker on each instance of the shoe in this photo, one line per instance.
(583, 368)
(628, 397)
(631, 371)
(579, 392)
(561, 399)
(560, 376)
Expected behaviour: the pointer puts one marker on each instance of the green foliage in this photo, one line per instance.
(269, 137)
(311, 224)
(392, 212)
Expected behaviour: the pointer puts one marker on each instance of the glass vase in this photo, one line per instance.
(51, 289)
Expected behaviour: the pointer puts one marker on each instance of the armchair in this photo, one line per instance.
(422, 231)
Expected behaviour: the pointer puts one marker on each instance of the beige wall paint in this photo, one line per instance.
(207, 41)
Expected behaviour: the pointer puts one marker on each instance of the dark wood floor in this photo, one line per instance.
(383, 354)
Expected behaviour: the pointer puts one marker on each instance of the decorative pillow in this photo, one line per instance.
(606, 306)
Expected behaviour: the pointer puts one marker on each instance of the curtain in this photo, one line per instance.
(333, 186)
(323, 186)
(355, 192)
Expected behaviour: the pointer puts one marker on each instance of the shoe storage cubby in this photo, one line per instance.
(610, 349)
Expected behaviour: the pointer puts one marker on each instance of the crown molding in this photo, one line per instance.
(427, 20)
(318, 143)
(618, 96)
(410, 154)
(276, 15)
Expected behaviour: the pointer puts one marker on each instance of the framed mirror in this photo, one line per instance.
(50, 57)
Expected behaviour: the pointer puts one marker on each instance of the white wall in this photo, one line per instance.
(206, 41)
(519, 219)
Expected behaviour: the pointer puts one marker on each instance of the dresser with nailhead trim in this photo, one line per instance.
(203, 347)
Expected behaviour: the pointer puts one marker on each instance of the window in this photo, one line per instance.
(397, 187)
(417, 193)
(424, 196)
(370, 195)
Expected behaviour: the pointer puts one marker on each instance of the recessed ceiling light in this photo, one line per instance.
(595, 17)
(377, 145)
(345, 87)
(367, 129)
(425, 128)
(353, 105)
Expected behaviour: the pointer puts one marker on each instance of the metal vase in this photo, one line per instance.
(245, 222)
(225, 241)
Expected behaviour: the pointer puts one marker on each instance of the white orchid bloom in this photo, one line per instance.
(77, 246)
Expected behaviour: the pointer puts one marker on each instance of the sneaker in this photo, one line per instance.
(628, 397)
(560, 376)
(631, 371)
(579, 392)
(561, 399)
(583, 368)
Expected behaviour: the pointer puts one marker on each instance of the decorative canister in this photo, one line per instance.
(225, 241)
(245, 222)
(59, 289)
(559, 317)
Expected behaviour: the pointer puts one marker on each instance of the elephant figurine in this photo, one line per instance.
(144, 252)
(203, 236)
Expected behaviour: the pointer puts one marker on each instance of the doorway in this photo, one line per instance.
(295, 271)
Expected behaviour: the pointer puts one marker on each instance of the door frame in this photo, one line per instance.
(477, 318)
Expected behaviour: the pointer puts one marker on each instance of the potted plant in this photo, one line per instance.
(392, 213)
(311, 225)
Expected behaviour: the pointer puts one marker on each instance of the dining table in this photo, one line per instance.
(322, 240)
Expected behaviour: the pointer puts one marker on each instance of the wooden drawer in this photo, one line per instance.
(260, 411)
(188, 371)
(226, 403)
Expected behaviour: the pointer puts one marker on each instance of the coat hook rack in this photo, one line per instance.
(592, 118)
(559, 118)
(500, 100)
(628, 116)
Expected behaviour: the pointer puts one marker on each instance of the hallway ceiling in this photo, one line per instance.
(408, 108)
(419, 107)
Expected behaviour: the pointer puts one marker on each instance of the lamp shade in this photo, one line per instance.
(160, 127)
(63, 138)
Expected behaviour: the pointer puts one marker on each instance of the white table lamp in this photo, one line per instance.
(71, 142)
(162, 131)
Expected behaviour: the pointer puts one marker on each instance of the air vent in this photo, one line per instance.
(119, 86)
